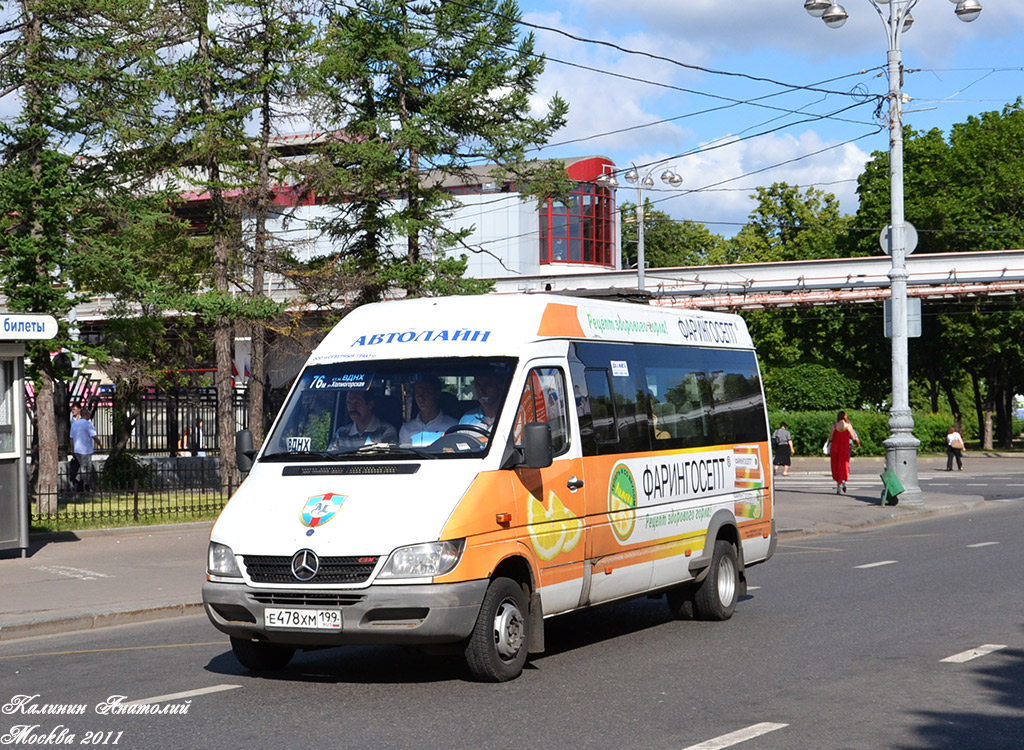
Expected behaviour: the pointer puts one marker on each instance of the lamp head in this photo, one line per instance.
(836, 16)
(817, 7)
(968, 10)
(670, 177)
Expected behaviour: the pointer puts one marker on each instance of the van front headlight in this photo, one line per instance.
(220, 561)
(423, 560)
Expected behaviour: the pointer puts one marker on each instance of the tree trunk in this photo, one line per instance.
(979, 411)
(222, 337)
(223, 331)
(954, 405)
(264, 197)
(46, 479)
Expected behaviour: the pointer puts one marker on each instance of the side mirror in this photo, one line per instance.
(537, 449)
(244, 450)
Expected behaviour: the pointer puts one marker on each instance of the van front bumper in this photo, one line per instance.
(415, 614)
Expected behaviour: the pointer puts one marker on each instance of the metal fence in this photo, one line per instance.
(170, 489)
(163, 416)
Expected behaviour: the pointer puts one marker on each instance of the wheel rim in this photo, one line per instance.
(726, 581)
(509, 629)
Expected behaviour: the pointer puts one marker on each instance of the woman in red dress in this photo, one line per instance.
(839, 452)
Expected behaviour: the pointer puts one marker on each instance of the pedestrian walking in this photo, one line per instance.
(83, 441)
(73, 467)
(954, 449)
(839, 450)
(782, 441)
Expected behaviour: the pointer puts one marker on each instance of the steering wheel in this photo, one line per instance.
(468, 428)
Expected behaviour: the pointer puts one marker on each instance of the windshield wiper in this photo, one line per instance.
(383, 449)
(300, 455)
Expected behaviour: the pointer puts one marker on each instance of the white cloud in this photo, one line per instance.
(722, 180)
(951, 74)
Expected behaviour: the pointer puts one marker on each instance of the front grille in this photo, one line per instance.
(300, 599)
(274, 569)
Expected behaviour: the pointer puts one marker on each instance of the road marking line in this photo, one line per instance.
(876, 564)
(179, 696)
(1015, 485)
(981, 544)
(974, 653)
(110, 650)
(69, 572)
(735, 738)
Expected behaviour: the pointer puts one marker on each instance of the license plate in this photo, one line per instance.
(313, 619)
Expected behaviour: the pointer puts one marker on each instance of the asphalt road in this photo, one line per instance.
(991, 479)
(844, 641)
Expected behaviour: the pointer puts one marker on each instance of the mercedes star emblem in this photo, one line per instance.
(305, 565)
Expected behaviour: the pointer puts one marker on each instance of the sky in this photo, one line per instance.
(736, 94)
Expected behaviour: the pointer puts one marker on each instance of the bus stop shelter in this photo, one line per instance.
(15, 329)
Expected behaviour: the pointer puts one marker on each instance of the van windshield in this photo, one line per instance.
(393, 409)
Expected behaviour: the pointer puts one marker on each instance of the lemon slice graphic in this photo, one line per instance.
(622, 503)
(553, 530)
(572, 524)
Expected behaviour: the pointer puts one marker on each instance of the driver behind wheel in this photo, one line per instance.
(487, 387)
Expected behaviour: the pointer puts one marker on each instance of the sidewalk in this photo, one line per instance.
(89, 579)
(812, 507)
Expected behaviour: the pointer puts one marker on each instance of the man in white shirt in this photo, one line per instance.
(430, 423)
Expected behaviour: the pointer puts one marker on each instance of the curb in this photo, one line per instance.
(40, 626)
(910, 513)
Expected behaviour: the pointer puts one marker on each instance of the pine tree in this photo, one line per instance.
(415, 93)
(72, 68)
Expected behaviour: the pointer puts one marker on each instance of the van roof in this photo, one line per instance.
(500, 324)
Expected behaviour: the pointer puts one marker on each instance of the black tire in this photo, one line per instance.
(717, 594)
(680, 602)
(497, 648)
(261, 657)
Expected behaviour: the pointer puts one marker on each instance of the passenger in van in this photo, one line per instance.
(366, 428)
(430, 423)
(487, 388)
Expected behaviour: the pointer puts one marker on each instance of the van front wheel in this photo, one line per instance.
(496, 651)
(261, 657)
(716, 597)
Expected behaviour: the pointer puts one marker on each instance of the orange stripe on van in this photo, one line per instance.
(560, 320)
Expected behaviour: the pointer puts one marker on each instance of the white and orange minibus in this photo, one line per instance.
(570, 452)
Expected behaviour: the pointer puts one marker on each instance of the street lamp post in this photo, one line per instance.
(632, 176)
(901, 446)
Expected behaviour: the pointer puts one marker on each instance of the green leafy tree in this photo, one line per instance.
(790, 224)
(415, 94)
(810, 387)
(963, 193)
(667, 242)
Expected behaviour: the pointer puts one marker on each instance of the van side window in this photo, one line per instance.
(544, 399)
(738, 411)
(644, 396)
(617, 397)
(602, 409)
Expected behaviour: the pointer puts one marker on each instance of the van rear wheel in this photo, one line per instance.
(261, 657)
(717, 594)
(496, 651)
